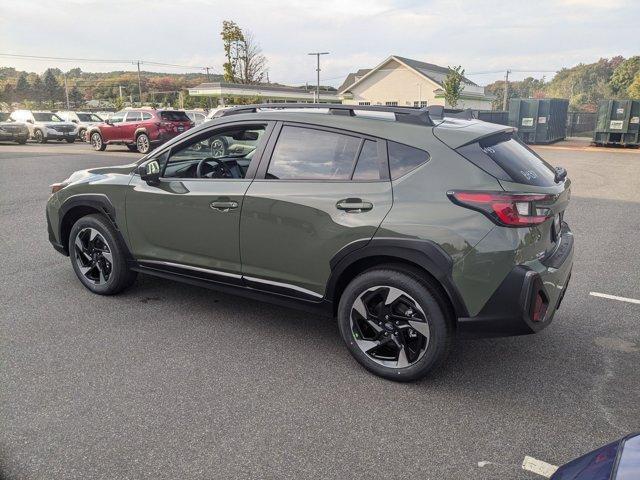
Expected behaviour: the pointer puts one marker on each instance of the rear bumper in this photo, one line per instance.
(510, 310)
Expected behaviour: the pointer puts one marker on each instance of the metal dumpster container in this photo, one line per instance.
(539, 120)
(618, 123)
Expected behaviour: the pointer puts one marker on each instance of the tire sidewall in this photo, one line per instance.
(97, 147)
(118, 267)
(38, 135)
(420, 292)
(148, 149)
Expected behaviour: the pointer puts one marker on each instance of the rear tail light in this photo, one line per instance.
(506, 209)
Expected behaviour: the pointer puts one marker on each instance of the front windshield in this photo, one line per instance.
(4, 117)
(46, 117)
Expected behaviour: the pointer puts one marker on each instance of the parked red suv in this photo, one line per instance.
(139, 129)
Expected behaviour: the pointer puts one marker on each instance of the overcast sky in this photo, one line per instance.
(482, 36)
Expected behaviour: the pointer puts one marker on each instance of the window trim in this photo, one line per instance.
(253, 166)
(267, 155)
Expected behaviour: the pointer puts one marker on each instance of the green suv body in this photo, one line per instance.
(409, 228)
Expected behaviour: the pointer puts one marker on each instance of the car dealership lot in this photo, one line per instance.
(173, 381)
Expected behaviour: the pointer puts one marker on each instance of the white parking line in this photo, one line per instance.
(614, 297)
(534, 465)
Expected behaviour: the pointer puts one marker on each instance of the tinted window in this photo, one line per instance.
(520, 163)
(174, 116)
(403, 159)
(218, 154)
(134, 117)
(309, 154)
(117, 117)
(368, 166)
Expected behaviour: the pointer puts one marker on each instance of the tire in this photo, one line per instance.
(39, 137)
(71, 140)
(98, 256)
(219, 147)
(143, 145)
(378, 339)
(22, 141)
(81, 134)
(97, 143)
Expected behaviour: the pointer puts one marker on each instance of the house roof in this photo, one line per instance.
(433, 72)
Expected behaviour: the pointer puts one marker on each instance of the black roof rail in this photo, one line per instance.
(438, 111)
(402, 114)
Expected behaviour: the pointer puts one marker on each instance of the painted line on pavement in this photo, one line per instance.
(539, 467)
(614, 297)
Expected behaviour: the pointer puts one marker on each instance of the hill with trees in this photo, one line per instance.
(584, 85)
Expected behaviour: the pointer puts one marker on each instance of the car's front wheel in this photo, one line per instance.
(39, 137)
(143, 144)
(71, 140)
(394, 323)
(97, 143)
(98, 256)
(81, 135)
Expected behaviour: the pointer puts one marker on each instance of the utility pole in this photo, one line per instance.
(317, 54)
(120, 90)
(506, 90)
(139, 84)
(208, 77)
(66, 90)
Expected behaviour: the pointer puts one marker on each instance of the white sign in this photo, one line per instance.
(616, 124)
(634, 120)
(542, 119)
(620, 111)
(527, 122)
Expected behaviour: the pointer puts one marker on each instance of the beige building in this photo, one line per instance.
(404, 82)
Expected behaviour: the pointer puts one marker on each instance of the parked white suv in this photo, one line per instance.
(196, 116)
(45, 126)
(83, 120)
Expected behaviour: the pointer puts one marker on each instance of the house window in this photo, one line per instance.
(391, 104)
(420, 104)
(364, 103)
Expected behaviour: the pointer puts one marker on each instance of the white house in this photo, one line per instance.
(402, 82)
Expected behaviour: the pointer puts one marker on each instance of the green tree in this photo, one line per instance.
(623, 76)
(75, 97)
(37, 90)
(634, 89)
(231, 37)
(22, 89)
(52, 88)
(118, 103)
(453, 85)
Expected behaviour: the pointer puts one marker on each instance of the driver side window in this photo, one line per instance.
(218, 154)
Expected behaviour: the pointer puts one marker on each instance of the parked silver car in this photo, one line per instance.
(45, 126)
(83, 120)
(11, 131)
(196, 116)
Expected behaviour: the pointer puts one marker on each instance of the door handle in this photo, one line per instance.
(223, 206)
(354, 205)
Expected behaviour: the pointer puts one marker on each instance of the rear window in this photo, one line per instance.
(174, 116)
(506, 158)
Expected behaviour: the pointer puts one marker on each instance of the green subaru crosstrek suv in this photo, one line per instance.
(410, 226)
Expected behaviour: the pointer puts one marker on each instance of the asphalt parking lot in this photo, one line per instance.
(173, 381)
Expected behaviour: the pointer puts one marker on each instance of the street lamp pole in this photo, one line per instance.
(317, 54)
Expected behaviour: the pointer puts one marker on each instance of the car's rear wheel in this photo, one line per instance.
(22, 141)
(81, 134)
(394, 323)
(39, 136)
(143, 144)
(98, 256)
(71, 140)
(97, 142)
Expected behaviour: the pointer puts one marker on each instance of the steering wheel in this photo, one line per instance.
(225, 170)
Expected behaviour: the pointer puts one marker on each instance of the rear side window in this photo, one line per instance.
(403, 158)
(174, 116)
(134, 117)
(508, 159)
(310, 154)
(368, 166)
(146, 116)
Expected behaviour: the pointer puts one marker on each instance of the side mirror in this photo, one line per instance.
(108, 121)
(29, 121)
(150, 172)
